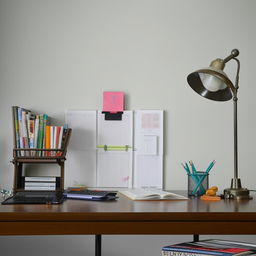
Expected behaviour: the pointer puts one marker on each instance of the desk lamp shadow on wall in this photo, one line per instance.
(212, 83)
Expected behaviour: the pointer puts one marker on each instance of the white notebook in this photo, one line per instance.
(151, 194)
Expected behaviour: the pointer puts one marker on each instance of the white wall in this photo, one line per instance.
(56, 55)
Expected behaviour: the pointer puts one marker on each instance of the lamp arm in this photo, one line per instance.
(234, 54)
(236, 181)
(237, 73)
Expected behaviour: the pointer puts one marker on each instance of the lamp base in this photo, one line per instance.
(236, 191)
(239, 193)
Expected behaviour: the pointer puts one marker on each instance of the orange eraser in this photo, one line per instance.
(210, 198)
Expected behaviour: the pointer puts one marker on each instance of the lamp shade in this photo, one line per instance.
(211, 83)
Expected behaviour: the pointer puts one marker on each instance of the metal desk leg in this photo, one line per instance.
(195, 238)
(97, 245)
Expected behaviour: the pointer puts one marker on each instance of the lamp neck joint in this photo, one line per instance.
(218, 64)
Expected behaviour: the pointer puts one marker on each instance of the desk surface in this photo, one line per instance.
(125, 216)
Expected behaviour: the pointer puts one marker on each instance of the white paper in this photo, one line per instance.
(114, 169)
(148, 146)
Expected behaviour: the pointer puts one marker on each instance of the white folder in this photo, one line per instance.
(80, 166)
(114, 153)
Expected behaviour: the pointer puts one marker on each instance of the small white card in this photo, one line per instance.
(148, 145)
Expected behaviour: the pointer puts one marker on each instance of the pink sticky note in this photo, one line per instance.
(113, 102)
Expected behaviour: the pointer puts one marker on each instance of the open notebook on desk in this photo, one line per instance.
(151, 194)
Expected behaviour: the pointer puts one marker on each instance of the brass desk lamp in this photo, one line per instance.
(212, 83)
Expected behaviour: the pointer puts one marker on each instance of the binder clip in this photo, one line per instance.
(113, 116)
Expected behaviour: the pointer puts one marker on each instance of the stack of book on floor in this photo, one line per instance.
(40, 183)
(210, 247)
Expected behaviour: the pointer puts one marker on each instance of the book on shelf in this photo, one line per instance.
(20, 126)
(33, 131)
(40, 140)
(20, 129)
(16, 126)
(151, 194)
(47, 138)
(45, 123)
(36, 130)
(51, 137)
(60, 137)
(24, 128)
(214, 247)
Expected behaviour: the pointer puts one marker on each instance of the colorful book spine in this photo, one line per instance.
(25, 131)
(16, 128)
(60, 137)
(54, 136)
(203, 249)
(57, 138)
(36, 131)
(45, 123)
(40, 134)
(20, 130)
(31, 129)
(47, 139)
(52, 139)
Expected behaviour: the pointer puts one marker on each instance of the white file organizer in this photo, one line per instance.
(101, 152)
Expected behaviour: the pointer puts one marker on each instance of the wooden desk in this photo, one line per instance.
(130, 217)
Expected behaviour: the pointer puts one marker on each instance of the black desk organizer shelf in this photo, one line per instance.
(23, 156)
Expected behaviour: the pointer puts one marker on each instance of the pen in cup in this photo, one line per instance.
(194, 175)
(204, 176)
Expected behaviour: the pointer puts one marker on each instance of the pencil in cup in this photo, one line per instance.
(193, 175)
(201, 179)
(198, 183)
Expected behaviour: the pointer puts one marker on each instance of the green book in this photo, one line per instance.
(40, 134)
(45, 122)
